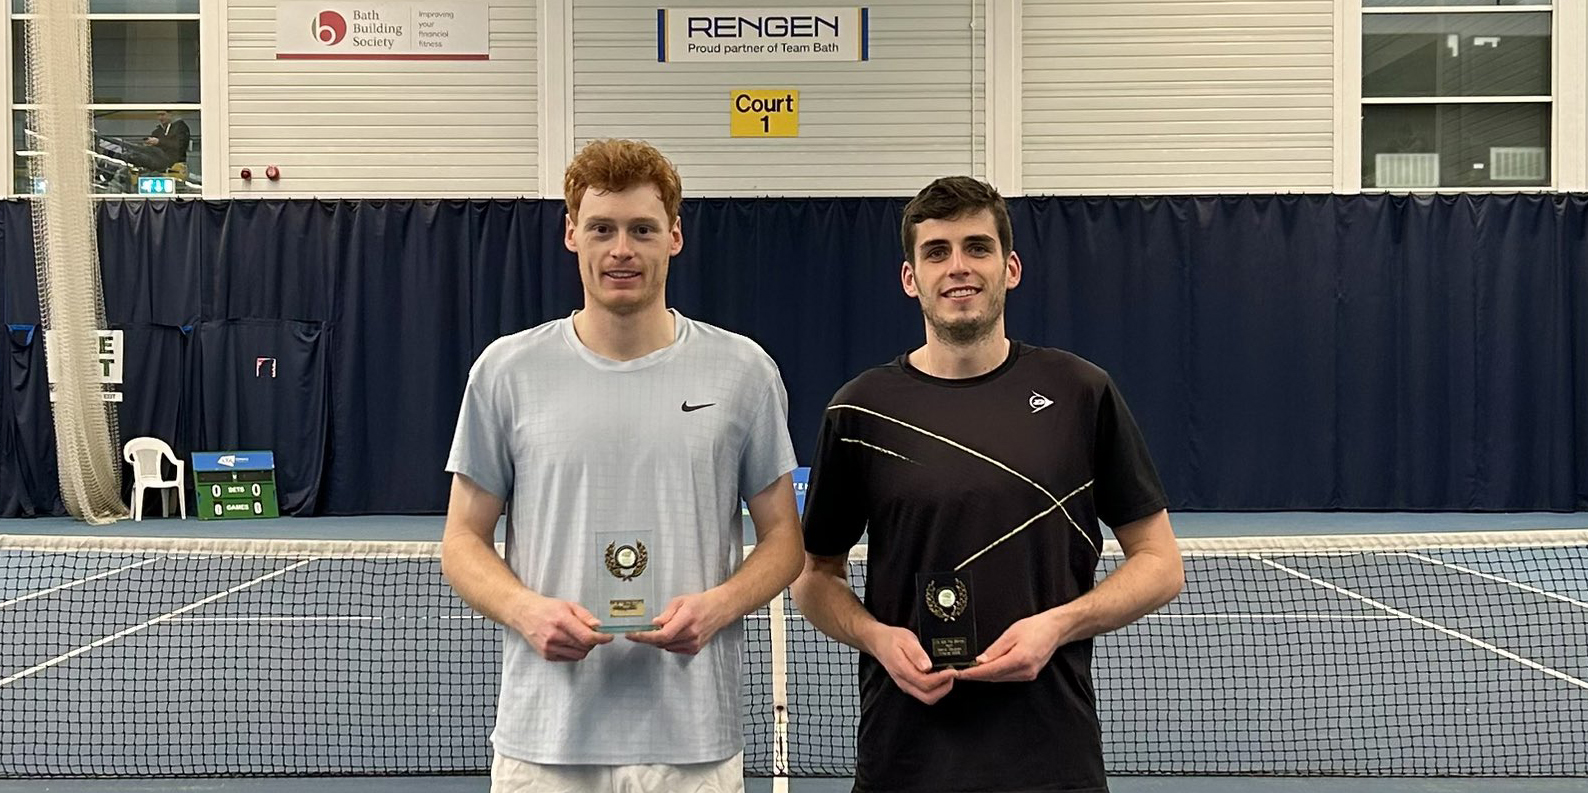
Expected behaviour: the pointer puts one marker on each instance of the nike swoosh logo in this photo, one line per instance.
(688, 408)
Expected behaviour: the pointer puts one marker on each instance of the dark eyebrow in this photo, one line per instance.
(981, 238)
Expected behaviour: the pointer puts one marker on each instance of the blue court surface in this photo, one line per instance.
(1390, 664)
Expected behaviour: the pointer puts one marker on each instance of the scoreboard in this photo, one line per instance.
(233, 485)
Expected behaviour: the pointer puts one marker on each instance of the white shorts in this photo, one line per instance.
(516, 776)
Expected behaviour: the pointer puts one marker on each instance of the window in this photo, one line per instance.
(1456, 94)
(124, 162)
(146, 105)
(19, 7)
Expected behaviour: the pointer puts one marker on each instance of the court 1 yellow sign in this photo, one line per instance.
(766, 113)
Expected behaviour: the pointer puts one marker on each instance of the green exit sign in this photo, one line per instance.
(156, 185)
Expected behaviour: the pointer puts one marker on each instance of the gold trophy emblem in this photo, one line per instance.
(947, 627)
(946, 602)
(627, 561)
(623, 598)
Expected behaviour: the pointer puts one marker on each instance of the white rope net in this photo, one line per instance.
(71, 299)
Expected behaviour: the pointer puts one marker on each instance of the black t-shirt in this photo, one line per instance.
(935, 471)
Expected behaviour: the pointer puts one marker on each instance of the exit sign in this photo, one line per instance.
(156, 185)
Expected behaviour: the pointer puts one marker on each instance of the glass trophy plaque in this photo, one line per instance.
(625, 599)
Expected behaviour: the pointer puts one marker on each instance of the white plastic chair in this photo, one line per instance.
(145, 454)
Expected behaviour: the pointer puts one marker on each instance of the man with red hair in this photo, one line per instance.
(624, 417)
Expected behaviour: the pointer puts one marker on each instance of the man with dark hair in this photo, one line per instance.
(952, 197)
(170, 137)
(625, 418)
(979, 469)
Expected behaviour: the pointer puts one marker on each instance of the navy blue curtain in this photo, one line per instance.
(263, 385)
(1319, 352)
(1281, 352)
(29, 483)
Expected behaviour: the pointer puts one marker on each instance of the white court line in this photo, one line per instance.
(33, 670)
(323, 618)
(1519, 585)
(1230, 617)
(1277, 617)
(54, 589)
(1455, 634)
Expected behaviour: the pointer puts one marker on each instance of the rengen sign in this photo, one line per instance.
(762, 34)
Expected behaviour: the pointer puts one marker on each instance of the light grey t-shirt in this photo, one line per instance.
(580, 444)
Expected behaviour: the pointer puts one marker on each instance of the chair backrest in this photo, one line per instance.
(144, 454)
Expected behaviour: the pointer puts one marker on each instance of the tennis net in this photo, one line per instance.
(1462, 654)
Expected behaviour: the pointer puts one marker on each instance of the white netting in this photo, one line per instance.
(71, 301)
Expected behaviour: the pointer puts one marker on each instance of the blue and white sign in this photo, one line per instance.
(802, 477)
(233, 461)
(762, 35)
(156, 185)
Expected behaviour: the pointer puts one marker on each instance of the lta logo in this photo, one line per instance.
(329, 27)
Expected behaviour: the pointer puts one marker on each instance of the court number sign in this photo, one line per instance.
(764, 113)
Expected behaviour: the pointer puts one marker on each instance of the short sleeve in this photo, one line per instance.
(1127, 484)
(481, 445)
(768, 451)
(835, 514)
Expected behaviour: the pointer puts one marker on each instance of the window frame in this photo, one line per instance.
(1349, 101)
(207, 76)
